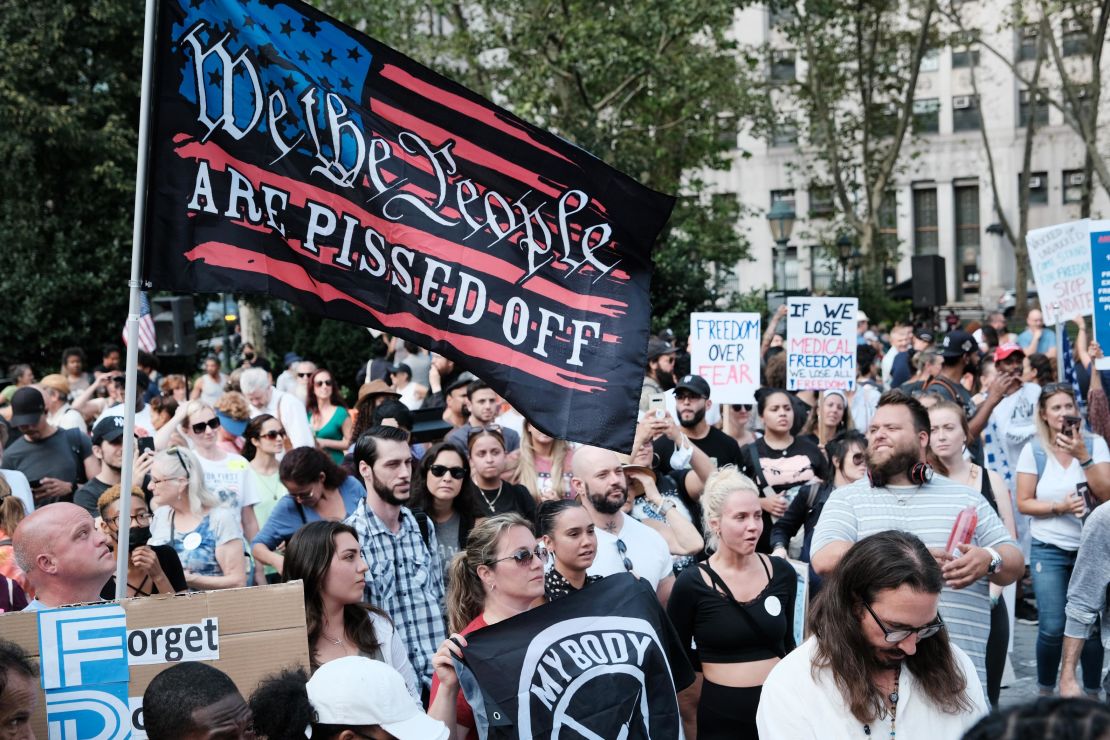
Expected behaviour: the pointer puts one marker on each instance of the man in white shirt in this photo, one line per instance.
(55, 392)
(623, 544)
(879, 659)
(264, 398)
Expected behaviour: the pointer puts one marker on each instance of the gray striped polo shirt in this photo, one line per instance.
(929, 511)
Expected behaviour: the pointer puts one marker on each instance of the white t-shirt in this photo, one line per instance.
(292, 414)
(67, 418)
(795, 705)
(21, 488)
(1013, 421)
(230, 479)
(1064, 530)
(395, 652)
(644, 547)
(144, 427)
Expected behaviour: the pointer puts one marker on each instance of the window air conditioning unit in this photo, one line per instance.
(1077, 178)
(1034, 183)
(961, 101)
(1072, 25)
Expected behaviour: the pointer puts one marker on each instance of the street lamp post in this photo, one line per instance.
(781, 219)
(856, 260)
(843, 253)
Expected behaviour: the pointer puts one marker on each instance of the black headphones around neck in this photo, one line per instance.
(920, 474)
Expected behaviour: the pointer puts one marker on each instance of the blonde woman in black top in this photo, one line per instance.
(737, 608)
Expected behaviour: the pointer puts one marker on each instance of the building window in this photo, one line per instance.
(787, 270)
(965, 113)
(782, 195)
(726, 130)
(888, 223)
(967, 237)
(1075, 185)
(965, 58)
(926, 116)
(1038, 187)
(925, 233)
(782, 65)
(1027, 43)
(930, 60)
(823, 270)
(1038, 108)
(1074, 39)
(821, 203)
(782, 13)
(784, 134)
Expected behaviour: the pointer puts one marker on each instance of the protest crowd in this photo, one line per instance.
(841, 563)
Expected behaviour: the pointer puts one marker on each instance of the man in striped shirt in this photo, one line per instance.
(898, 495)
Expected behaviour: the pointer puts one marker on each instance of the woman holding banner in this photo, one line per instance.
(498, 575)
(568, 534)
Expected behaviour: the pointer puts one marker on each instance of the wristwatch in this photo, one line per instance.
(666, 506)
(996, 561)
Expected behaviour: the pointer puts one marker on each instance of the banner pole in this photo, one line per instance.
(1059, 342)
(123, 554)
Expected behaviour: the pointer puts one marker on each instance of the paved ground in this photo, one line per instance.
(1022, 686)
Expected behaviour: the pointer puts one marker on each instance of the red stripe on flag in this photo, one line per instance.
(229, 256)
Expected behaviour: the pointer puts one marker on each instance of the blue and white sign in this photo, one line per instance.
(83, 646)
(89, 713)
(1100, 277)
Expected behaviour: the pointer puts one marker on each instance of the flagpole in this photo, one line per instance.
(123, 554)
(1059, 342)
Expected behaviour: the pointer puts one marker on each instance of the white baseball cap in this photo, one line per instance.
(357, 691)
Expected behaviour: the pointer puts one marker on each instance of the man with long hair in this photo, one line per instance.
(900, 492)
(879, 659)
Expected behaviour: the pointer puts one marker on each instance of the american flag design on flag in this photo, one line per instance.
(148, 341)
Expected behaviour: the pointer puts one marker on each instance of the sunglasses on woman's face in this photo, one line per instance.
(524, 557)
(441, 470)
(857, 459)
(323, 382)
(200, 426)
(273, 434)
(741, 407)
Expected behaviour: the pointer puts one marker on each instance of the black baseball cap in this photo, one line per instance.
(400, 367)
(695, 384)
(925, 335)
(28, 406)
(110, 429)
(958, 343)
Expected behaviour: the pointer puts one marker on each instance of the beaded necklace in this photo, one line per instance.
(893, 697)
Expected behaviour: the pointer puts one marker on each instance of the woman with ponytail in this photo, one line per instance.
(12, 512)
(497, 576)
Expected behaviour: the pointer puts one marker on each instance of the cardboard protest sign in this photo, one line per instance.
(724, 349)
(1061, 259)
(96, 661)
(294, 156)
(821, 343)
(1100, 279)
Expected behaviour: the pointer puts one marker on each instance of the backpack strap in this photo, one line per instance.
(725, 591)
(751, 459)
(1039, 456)
(6, 542)
(422, 522)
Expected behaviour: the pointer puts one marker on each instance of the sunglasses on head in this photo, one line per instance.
(273, 434)
(441, 470)
(200, 426)
(524, 557)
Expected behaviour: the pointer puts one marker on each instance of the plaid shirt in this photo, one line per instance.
(406, 580)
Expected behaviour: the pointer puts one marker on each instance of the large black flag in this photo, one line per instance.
(599, 664)
(297, 157)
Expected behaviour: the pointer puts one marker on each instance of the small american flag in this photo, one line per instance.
(147, 340)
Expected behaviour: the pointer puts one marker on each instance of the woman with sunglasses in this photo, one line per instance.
(444, 493)
(227, 475)
(486, 447)
(947, 447)
(327, 558)
(568, 534)
(329, 418)
(193, 521)
(1061, 473)
(318, 489)
(847, 459)
(737, 607)
(497, 576)
(263, 441)
(150, 569)
(737, 423)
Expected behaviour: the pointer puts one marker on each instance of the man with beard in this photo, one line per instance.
(691, 396)
(484, 405)
(659, 374)
(405, 576)
(876, 616)
(107, 447)
(623, 544)
(901, 493)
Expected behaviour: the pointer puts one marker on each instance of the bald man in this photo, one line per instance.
(623, 544)
(64, 554)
